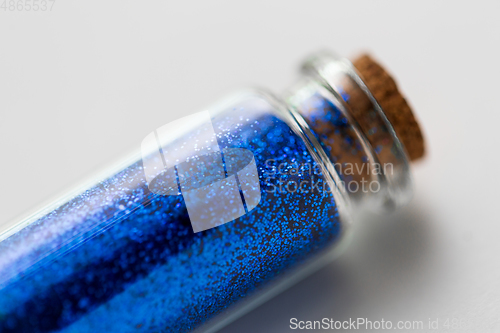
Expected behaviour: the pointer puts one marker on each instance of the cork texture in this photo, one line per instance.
(398, 112)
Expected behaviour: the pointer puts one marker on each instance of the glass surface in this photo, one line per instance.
(122, 257)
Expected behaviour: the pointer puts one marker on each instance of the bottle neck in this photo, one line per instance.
(364, 155)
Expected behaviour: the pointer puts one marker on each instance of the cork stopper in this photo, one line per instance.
(398, 112)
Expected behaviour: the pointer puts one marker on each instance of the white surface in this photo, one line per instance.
(83, 84)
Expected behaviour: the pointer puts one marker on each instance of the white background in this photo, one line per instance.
(84, 83)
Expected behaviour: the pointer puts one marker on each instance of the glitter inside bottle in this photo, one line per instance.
(120, 257)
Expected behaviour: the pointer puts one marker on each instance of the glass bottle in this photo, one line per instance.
(220, 211)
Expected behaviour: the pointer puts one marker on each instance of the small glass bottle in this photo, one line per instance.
(220, 211)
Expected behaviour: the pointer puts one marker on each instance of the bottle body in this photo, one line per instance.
(118, 257)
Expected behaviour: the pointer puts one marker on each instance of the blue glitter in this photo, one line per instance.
(118, 258)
